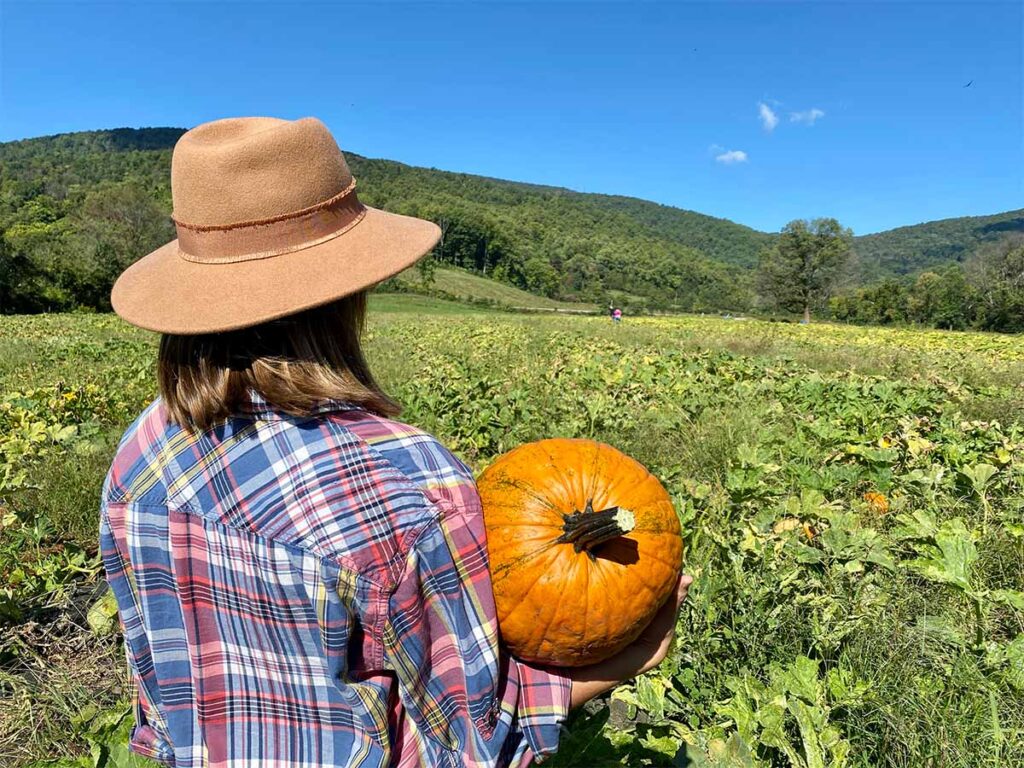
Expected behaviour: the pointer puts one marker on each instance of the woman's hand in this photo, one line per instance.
(646, 652)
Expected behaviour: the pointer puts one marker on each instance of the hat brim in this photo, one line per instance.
(166, 293)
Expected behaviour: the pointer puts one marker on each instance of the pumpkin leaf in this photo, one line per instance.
(800, 678)
(1009, 597)
(102, 616)
(979, 476)
(950, 559)
(810, 720)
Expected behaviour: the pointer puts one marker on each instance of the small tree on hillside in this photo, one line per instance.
(800, 270)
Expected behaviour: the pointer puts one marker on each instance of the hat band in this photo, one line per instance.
(250, 240)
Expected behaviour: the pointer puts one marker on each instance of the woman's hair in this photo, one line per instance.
(294, 363)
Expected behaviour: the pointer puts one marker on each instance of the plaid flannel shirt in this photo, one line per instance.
(312, 592)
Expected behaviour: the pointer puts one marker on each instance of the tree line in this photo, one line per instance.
(802, 271)
(986, 292)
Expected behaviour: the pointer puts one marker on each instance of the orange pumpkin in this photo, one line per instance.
(584, 547)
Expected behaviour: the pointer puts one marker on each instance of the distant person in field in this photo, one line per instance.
(617, 315)
(303, 581)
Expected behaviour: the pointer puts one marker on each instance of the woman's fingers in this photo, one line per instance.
(664, 622)
(683, 587)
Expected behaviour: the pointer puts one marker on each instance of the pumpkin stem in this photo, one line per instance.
(587, 529)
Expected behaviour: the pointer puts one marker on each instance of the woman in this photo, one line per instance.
(303, 581)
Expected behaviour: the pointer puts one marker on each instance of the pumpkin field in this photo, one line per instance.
(850, 499)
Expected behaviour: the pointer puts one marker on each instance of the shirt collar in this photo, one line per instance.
(258, 407)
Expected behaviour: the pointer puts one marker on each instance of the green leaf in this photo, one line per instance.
(1014, 651)
(650, 692)
(108, 734)
(102, 616)
(810, 720)
(734, 753)
(64, 434)
(844, 688)
(740, 711)
(801, 679)
(1009, 597)
(664, 745)
(949, 561)
(979, 475)
(920, 525)
(1016, 530)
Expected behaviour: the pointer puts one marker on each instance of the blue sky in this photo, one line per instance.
(643, 99)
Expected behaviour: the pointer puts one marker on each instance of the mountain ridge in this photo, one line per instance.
(550, 240)
(159, 140)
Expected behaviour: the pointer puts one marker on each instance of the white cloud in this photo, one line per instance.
(731, 156)
(768, 118)
(807, 117)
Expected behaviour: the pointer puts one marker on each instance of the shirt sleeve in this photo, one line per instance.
(476, 705)
(147, 737)
(543, 705)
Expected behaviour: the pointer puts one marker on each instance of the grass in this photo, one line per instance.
(66, 491)
(766, 435)
(464, 285)
(405, 303)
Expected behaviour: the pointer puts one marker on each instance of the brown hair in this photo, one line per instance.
(294, 363)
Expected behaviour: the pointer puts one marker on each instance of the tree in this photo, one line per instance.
(924, 300)
(997, 273)
(799, 272)
(126, 217)
(8, 274)
(538, 276)
(943, 299)
(427, 267)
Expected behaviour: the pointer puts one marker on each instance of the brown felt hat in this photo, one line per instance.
(268, 224)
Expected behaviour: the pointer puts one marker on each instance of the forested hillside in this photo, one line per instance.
(75, 209)
(909, 250)
(571, 245)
